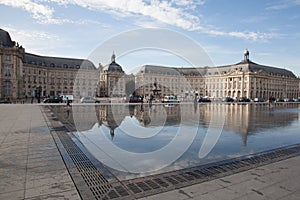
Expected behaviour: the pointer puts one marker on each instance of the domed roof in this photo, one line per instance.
(5, 39)
(113, 66)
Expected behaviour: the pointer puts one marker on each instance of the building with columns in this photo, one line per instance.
(27, 75)
(113, 80)
(24, 75)
(244, 79)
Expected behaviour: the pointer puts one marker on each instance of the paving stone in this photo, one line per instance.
(19, 194)
(275, 191)
(12, 179)
(67, 195)
(35, 179)
(248, 186)
(49, 188)
(252, 195)
(203, 188)
(30, 162)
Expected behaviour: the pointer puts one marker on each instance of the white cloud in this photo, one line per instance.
(284, 4)
(30, 37)
(161, 11)
(42, 13)
(177, 13)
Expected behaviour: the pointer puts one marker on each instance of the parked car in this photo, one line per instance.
(228, 99)
(280, 100)
(53, 100)
(69, 96)
(244, 99)
(170, 99)
(6, 101)
(289, 100)
(135, 99)
(259, 100)
(204, 100)
(89, 100)
(272, 99)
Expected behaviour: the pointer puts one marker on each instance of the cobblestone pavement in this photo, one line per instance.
(31, 167)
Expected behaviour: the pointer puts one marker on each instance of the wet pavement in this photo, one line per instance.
(34, 165)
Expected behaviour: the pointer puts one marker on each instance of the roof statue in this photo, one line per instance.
(246, 55)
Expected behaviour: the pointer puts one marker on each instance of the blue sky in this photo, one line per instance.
(270, 29)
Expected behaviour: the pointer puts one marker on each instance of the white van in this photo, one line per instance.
(170, 99)
(69, 96)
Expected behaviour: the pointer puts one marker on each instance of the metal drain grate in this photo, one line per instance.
(97, 183)
(94, 175)
(171, 180)
(103, 185)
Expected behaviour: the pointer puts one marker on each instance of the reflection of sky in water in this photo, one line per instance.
(247, 129)
(162, 135)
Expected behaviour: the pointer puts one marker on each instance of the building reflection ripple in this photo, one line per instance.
(243, 120)
(140, 129)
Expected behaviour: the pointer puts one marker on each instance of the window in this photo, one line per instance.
(7, 58)
(7, 71)
(7, 88)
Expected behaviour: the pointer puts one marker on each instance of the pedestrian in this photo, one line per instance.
(68, 102)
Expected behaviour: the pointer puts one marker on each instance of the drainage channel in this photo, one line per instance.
(94, 181)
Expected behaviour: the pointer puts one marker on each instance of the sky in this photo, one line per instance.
(216, 30)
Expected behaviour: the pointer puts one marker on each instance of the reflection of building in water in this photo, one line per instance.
(77, 118)
(158, 115)
(111, 116)
(248, 119)
(240, 119)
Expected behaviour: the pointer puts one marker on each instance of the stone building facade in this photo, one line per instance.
(113, 80)
(244, 79)
(26, 75)
(11, 67)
